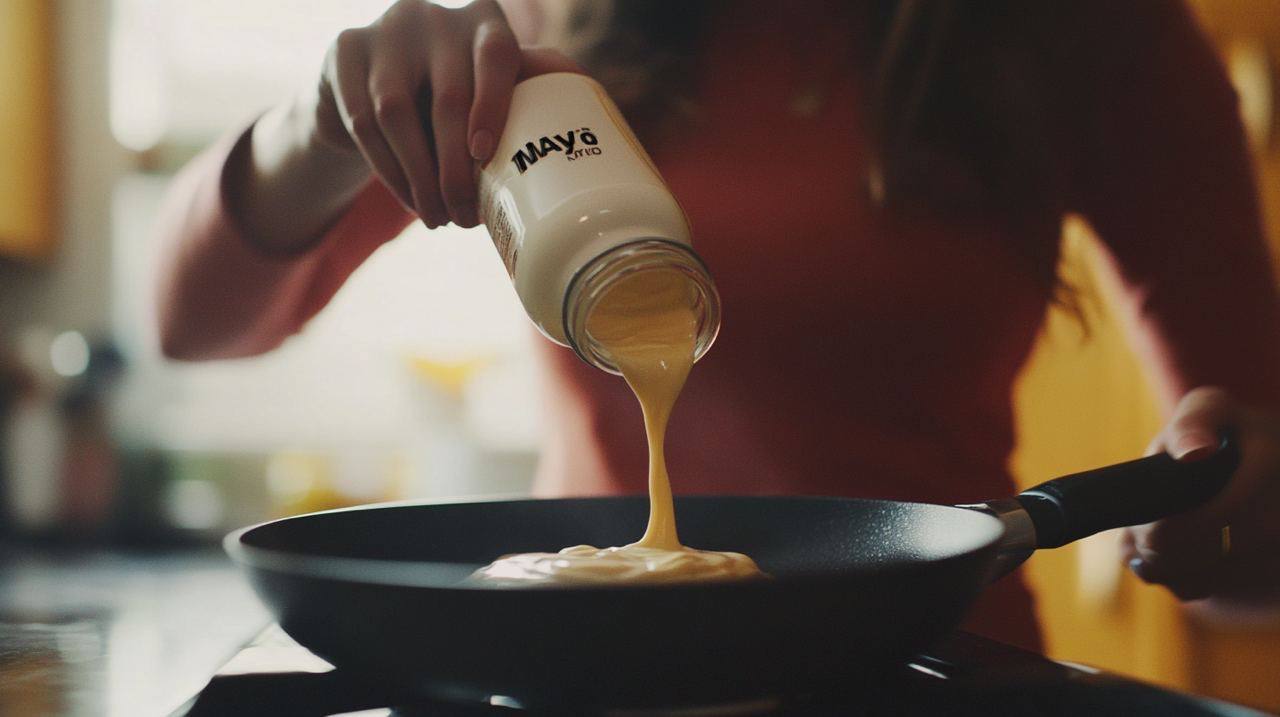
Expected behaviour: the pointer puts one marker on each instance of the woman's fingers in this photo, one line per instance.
(401, 126)
(1246, 564)
(423, 93)
(496, 58)
(1195, 429)
(395, 107)
(1227, 545)
(398, 63)
(1184, 552)
(349, 70)
(1187, 560)
(451, 93)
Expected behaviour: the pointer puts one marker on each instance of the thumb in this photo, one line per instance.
(1194, 432)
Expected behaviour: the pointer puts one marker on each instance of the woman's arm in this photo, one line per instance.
(262, 231)
(1167, 184)
(223, 294)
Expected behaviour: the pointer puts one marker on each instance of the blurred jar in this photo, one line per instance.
(61, 467)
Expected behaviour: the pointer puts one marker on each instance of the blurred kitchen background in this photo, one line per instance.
(419, 383)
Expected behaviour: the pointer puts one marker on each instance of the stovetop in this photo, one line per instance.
(962, 675)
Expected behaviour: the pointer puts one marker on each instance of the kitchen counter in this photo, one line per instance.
(116, 633)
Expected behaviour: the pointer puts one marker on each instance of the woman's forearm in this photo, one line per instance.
(243, 267)
(291, 185)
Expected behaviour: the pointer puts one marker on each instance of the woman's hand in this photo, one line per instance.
(1229, 548)
(422, 94)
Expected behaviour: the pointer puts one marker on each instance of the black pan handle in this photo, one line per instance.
(1076, 506)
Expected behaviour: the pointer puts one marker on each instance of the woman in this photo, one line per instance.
(878, 188)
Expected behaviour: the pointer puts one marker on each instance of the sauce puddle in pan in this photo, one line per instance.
(648, 326)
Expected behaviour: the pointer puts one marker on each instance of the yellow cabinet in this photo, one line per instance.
(26, 129)
(1083, 403)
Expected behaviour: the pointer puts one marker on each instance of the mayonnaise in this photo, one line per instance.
(645, 325)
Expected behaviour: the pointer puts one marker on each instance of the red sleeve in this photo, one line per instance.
(222, 297)
(1167, 183)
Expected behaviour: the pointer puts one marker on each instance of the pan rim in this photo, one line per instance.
(391, 573)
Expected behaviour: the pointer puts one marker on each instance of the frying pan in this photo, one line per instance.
(380, 591)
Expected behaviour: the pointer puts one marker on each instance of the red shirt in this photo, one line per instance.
(868, 353)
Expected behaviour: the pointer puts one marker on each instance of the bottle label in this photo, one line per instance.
(567, 178)
(501, 222)
(573, 145)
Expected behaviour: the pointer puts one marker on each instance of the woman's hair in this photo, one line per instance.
(961, 116)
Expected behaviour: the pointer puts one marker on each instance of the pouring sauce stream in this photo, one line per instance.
(648, 326)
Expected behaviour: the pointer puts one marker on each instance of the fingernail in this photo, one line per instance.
(1193, 446)
(481, 145)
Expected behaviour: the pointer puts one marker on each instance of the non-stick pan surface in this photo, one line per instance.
(380, 591)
